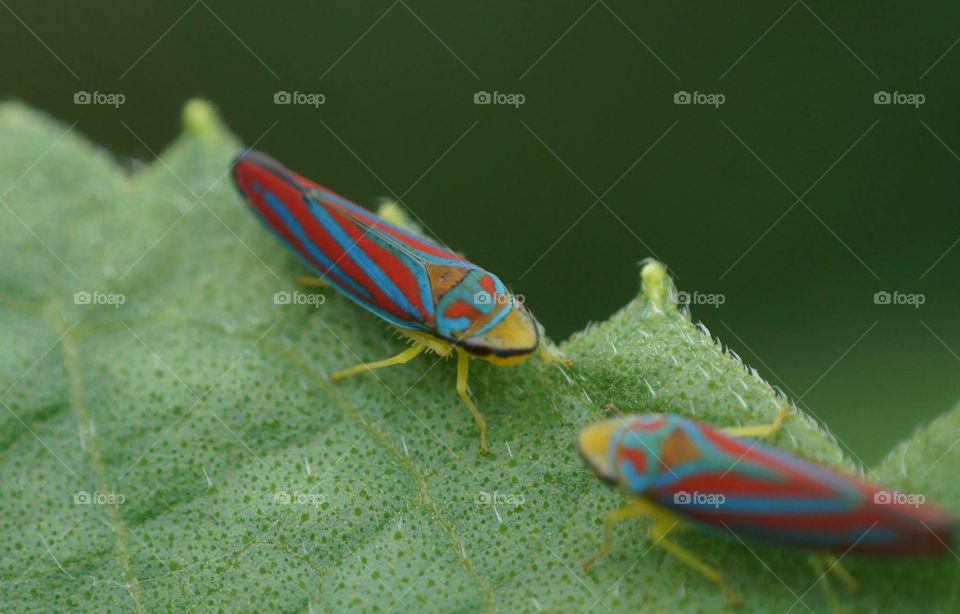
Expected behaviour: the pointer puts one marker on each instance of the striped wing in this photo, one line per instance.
(382, 267)
(771, 495)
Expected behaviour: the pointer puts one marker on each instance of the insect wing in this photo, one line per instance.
(380, 266)
(758, 491)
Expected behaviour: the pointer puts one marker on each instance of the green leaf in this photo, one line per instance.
(170, 440)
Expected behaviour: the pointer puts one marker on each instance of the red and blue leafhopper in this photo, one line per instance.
(722, 480)
(432, 295)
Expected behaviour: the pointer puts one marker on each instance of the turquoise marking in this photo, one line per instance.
(649, 443)
(714, 460)
(471, 292)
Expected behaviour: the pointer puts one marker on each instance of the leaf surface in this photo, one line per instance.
(171, 442)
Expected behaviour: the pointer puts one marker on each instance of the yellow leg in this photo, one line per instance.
(550, 353)
(403, 357)
(312, 282)
(820, 564)
(839, 570)
(463, 364)
(635, 509)
(663, 523)
(658, 533)
(759, 431)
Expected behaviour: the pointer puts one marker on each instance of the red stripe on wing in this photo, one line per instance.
(410, 240)
(923, 529)
(284, 185)
(392, 266)
(246, 173)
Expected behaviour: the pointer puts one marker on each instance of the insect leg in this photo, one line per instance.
(403, 357)
(550, 353)
(820, 563)
(761, 430)
(463, 364)
(839, 570)
(312, 282)
(658, 533)
(635, 509)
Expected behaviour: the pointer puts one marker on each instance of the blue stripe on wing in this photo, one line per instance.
(359, 214)
(414, 265)
(352, 250)
(353, 291)
(291, 223)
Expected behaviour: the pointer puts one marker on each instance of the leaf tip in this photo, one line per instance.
(200, 118)
(393, 212)
(657, 287)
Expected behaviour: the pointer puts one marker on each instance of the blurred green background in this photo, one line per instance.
(598, 168)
